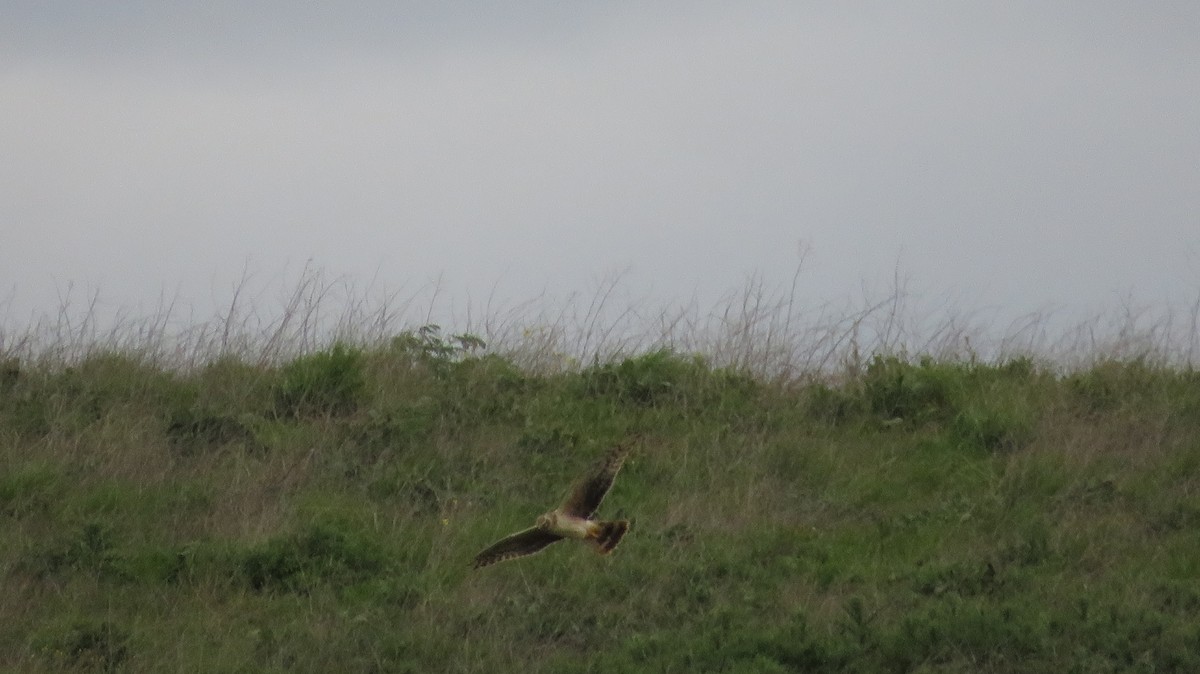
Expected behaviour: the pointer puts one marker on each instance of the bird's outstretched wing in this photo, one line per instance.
(517, 545)
(587, 495)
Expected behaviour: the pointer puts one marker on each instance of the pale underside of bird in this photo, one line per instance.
(572, 519)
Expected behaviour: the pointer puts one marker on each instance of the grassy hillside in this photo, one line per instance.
(320, 515)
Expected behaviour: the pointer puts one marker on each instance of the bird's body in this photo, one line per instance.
(567, 526)
(605, 534)
(573, 519)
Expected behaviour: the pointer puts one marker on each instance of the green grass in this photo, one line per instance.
(320, 515)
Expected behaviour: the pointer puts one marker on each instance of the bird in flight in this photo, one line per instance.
(572, 519)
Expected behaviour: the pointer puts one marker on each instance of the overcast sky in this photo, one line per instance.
(1010, 155)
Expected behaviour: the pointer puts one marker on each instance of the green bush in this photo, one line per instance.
(655, 377)
(896, 389)
(483, 389)
(834, 405)
(192, 430)
(88, 645)
(317, 554)
(73, 399)
(662, 377)
(90, 549)
(427, 347)
(1108, 384)
(327, 383)
(387, 432)
(994, 428)
(31, 489)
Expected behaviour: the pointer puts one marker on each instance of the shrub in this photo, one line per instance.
(190, 430)
(90, 549)
(664, 377)
(485, 388)
(642, 380)
(832, 405)
(89, 645)
(993, 428)
(427, 347)
(896, 389)
(383, 431)
(1109, 385)
(320, 553)
(29, 489)
(327, 383)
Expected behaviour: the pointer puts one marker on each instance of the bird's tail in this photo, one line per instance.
(608, 534)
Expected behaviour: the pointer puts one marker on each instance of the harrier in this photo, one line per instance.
(573, 519)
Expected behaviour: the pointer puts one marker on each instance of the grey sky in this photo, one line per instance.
(1011, 155)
